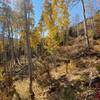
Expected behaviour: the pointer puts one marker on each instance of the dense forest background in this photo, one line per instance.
(53, 60)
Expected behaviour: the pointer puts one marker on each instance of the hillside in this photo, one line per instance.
(49, 50)
(74, 66)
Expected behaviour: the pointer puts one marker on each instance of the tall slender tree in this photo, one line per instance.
(91, 11)
(85, 26)
(27, 34)
(86, 38)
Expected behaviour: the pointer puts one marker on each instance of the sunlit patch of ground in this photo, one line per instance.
(56, 73)
(22, 88)
(72, 73)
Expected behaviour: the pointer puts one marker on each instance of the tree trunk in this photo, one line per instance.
(29, 58)
(93, 25)
(4, 51)
(85, 27)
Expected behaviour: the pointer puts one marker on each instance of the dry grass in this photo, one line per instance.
(71, 71)
(73, 74)
(22, 88)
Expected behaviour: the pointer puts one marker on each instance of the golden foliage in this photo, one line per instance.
(97, 22)
(1, 76)
(34, 38)
(56, 20)
(1, 46)
(50, 43)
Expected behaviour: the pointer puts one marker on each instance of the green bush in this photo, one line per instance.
(98, 68)
(69, 93)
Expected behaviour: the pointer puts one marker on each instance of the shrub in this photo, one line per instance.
(69, 93)
(98, 68)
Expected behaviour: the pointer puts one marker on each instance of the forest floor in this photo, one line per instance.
(22, 85)
(83, 66)
(74, 75)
